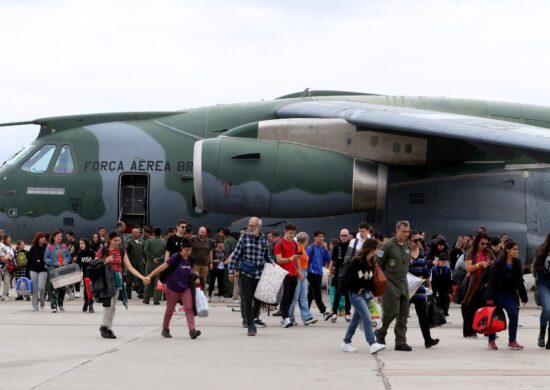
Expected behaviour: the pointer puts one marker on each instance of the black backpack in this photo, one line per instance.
(163, 276)
(95, 269)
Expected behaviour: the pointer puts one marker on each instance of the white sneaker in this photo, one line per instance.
(333, 318)
(236, 301)
(375, 347)
(222, 299)
(348, 348)
(209, 299)
(287, 323)
(77, 294)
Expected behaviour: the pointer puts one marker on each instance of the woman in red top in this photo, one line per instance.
(477, 265)
(114, 260)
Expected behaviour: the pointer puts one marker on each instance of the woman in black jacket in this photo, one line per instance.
(84, 257)
(37, 270)
(505, 282)
(358, 279)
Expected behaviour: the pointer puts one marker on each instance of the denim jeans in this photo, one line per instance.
(543, 287)
(300, 297)
(509, 304)
(360, 302)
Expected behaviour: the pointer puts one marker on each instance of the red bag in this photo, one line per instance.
(489, 320)
(380, 282)
(160, 286)
(88, 285)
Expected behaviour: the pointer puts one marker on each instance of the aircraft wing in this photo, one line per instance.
(415, 122)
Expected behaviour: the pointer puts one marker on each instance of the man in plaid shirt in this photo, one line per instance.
(249, 258)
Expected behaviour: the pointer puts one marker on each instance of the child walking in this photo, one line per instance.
(179, 285)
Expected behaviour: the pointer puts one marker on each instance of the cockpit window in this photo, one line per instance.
(20, 155)
(39, 161)
(64, 163)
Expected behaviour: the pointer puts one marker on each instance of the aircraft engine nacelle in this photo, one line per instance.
(269, 178)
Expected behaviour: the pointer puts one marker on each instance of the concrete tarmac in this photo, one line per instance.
(43, 350)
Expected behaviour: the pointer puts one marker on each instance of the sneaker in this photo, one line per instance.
(222, 299)
(236, 301)
(348, 317)
(194, 333)
(110, 334)
(379, 339)
(61, 308)
(375, 347)
(54, 310)
(85, 308)
(251, 331)
(166, 334)
(156, 303)
(103, 332)
(287, 323)
(244, 325)
(209, 299)
(333, 318)
(310, 321)
(347, 347)
(91, 309)
(145, 301)
(77, 294)
(260, 323)
(515, 346)
(492, 345)
(431, 343)
(326, 315)
(403, 348)
(472, 336)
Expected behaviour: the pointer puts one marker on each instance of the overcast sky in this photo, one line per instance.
(71, 57)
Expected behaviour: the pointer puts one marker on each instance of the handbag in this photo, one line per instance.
(248, 267)
(436, 317)
(489, 320)
(270, 283)
(461, 290)
(379, 281)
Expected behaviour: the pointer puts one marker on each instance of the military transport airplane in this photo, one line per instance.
(318, 158)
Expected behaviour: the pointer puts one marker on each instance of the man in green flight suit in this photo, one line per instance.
(154, 255)
(134, 249)
(393, 257)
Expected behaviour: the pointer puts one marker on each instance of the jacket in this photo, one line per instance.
(51, 254)
(506, 281)
(35, 259)
(104, 288)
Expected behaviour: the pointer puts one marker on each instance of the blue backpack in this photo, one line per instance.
(23, 286)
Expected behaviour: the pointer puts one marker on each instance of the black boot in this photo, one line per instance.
(104, 332)
(548, 341)
(542, 334)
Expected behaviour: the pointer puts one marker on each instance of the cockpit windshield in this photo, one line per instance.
(19, 155)
(40, 160)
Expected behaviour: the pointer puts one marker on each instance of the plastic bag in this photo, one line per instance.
(414, 283)
(375, 313)
(270, 283)
(201, 302)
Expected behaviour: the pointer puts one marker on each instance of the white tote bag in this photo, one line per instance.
(270, 283)
(201, 302)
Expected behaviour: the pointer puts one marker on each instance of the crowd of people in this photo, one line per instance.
(156, 266)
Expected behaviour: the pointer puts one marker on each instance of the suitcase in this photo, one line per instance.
(65, 276)
(489, 320)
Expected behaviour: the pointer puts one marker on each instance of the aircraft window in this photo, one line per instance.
(408, 148)
(20, 155)
(39, 161)
(373, 140)
(64, 163)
